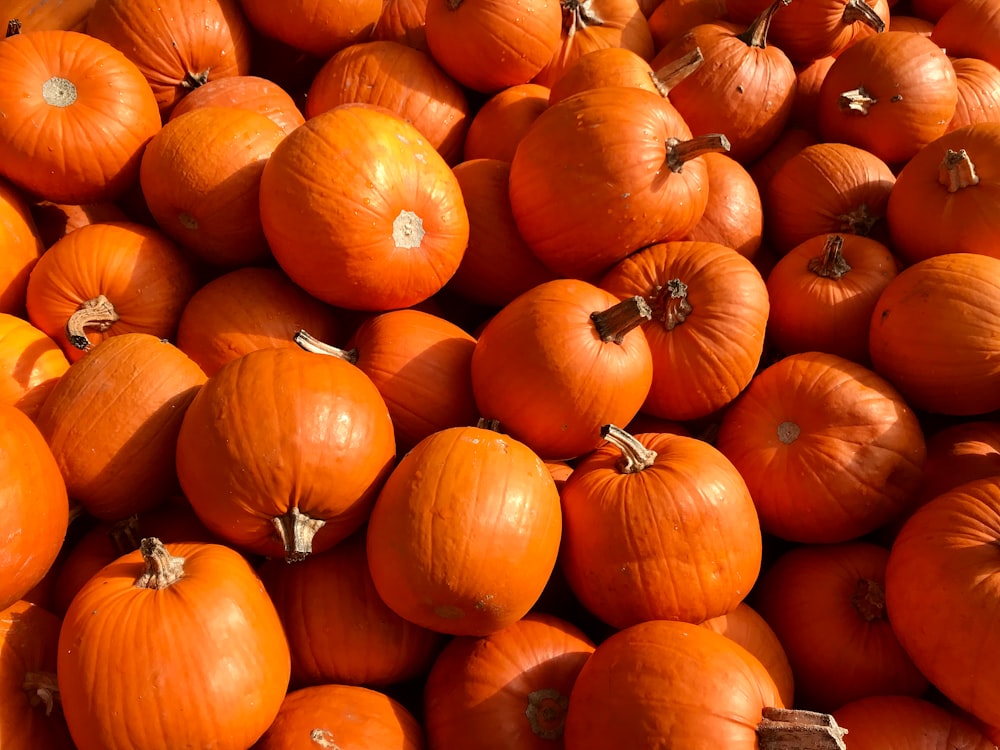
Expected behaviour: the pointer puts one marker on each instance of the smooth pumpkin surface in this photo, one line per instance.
(30, 364)
(900, 722)
(22, 243)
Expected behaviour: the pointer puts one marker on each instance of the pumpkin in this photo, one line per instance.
(22, 243)
(248, 309)
(248, 92)
(29, 713)
(319, 29)
(402, 21)
(507, 689)
(709, 313)
(604, 173)
(808, 31)
(498, 125)
(56, 220)
(200, 177)
(970, 28)
(465, 532)
(792, 140)
(92, 112)
(959, 453)
(829, 449)
(808, 83)
(890, 94)
(672, 18)
(112, 421)
(384, 229)
(37, 15)
(734, 214)
(854, 653)
(945, 194)
(823, 292)
(176, 44)
(338, 629)
(561, 360)
(172, 690)
(658, 527)
(31, 364)
(108, 279)
(34, 509)
(947, 303)
(978, 92)
(342, 716)
(941, 571)
(305, 476)
(405, 80)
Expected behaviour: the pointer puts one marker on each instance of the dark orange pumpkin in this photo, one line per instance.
(499, 124)
(734, 214)
(978, 92)
(320, 29)
(248, 92)
(37, 15)
(22, 243)
(902, 722)
(970, 28)
(56, 220)
(402, 21)
(31, 364)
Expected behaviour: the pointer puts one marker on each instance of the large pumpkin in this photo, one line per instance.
(22, 244)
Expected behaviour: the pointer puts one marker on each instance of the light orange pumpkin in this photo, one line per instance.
(22, 243)
(244, 92)
(31, 363)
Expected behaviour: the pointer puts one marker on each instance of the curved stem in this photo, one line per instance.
(98, 313)
(957, 171)
(798, 729)
(296, 531)
(578, 15)
(42, 689)
(681, 152)
(162, 568)
(614, 323)
(312, 344)
(635, 455)
(670, 303)
(756, 33)
(830, 264)
(674, 72)
(859, 10)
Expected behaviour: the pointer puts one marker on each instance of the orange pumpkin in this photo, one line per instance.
(22, 244)
(978, 92)
(56, 220)
(319, 29)
(92, 112)
(970, 28)
(402, 21)
(902, 722)
(499, 124)
(36, 15)
(31, 364)
(734, 214)
(248, 92)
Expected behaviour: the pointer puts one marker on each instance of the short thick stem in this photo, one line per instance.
(869, 600)
(13, 28)
(635, 455)
(859, 10)
(830, 264)
(797, 729)
(857, 100)
(312, 344)
(613, 324)
(859, 221)
(193, 80)
(98, 313)
(957, 171)
(546, 713)
(670, 304)
(162, 568)
(42, 689)
(665, 78)
(296, 531)
(681, 152)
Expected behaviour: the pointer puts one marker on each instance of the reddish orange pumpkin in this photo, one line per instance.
(465, 532)
(22, 243)
(31, 364)
(499, 124)
(153, 599)
(672, 18)
(808, 31)
(56, 220)
(78, 115)
(902, 722)
(34, 509)
(970, 28)
(734, 214)
(960, 453)
(37, 15)
(808, 82)
(248, 92)
(402, 21)
(507, 689)
(978, 92)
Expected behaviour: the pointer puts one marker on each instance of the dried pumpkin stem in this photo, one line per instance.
(484, 423)
(578, 15)
(857, 100)
(859, 221)
(869, 600)
(194, 80)
(614, 323)
(670, 304)
(665, 78)
(797, 729)
(546, 713)
(13, 28)
(97, 312)
(830, 264)
(756, 33)
(859, 10)
(124, 534)
(681, 152)
(296, 531)
(42, 689)
(635, 456)
(312, 344)
(957, 171)
(162, 568)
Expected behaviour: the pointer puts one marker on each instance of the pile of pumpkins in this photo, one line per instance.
(473, 374)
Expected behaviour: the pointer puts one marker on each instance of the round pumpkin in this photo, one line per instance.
(42, 14)
(249, 92)
(319, 29)
(56, 220)
(31, 364)
(734, 214)
(22, 243)
(498, 125)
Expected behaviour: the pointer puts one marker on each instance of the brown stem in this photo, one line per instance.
(670, 303)
(312, 344)
(42, 689)
(98, 313)
(859, 221)
(869, 600)
(674, 72)
(957, 171)
(798, 729)
(578, 15)
(857, 100)
(296, 531)
(13, 28)
(485, 423)
(194, 80)
(859, 10)
(124, 534)
(614, 323)
(681, 152)
(830, 264)
(546, 713)
(162, 568)
(635, 455)
(756, 33)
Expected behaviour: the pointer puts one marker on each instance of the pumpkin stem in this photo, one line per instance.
(830, 264)
(869, 600)
(490, 424)
(578, 15)
(546, 713)
(680, 152)
(614, 323)
(957, 171)
(13, 28)
(756, 34)
(296, 531)
(194, 80)
(670, 302)
(42, 689)
(859, 221)
(857, 100)
(798, 729)
(124, 534)
(859, 10)
(788, 432)
(312, 344)
(98, 313)
(635, 455)
(162, 568)
(674, 72)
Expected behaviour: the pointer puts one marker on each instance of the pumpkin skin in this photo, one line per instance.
(22, 244)
(342, 716)
(242, 670)
(680, 685)
(507, 689)
(56, 220)
(915, 319)
(632, 526)
(960, 453)
(140, 273)
(28, 638)
(672, 18)
(31, 364)
(317, 28)
(200, 176)
(36, 15)
(541, 367)
(177, 45)
(829, 449)
(106, 94)
(970, 28)
(809, 31)
(855, 653)
(321, 446)
(382, 230)
(710, 310)
(499, 124)
(114, 445)
(248, 92)
(34, 508)
(629, 186)
(978, 92)
(465, 532)
(734, 214)
(941, 570)
(402, 21)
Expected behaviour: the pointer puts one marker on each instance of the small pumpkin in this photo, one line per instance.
(70, 15)
(970, 28)
(31, 363)
(56, 220)
(249, 92)
(734, 214)
(978, 92)
(498, 125)
(23, 245)
(319, 29)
